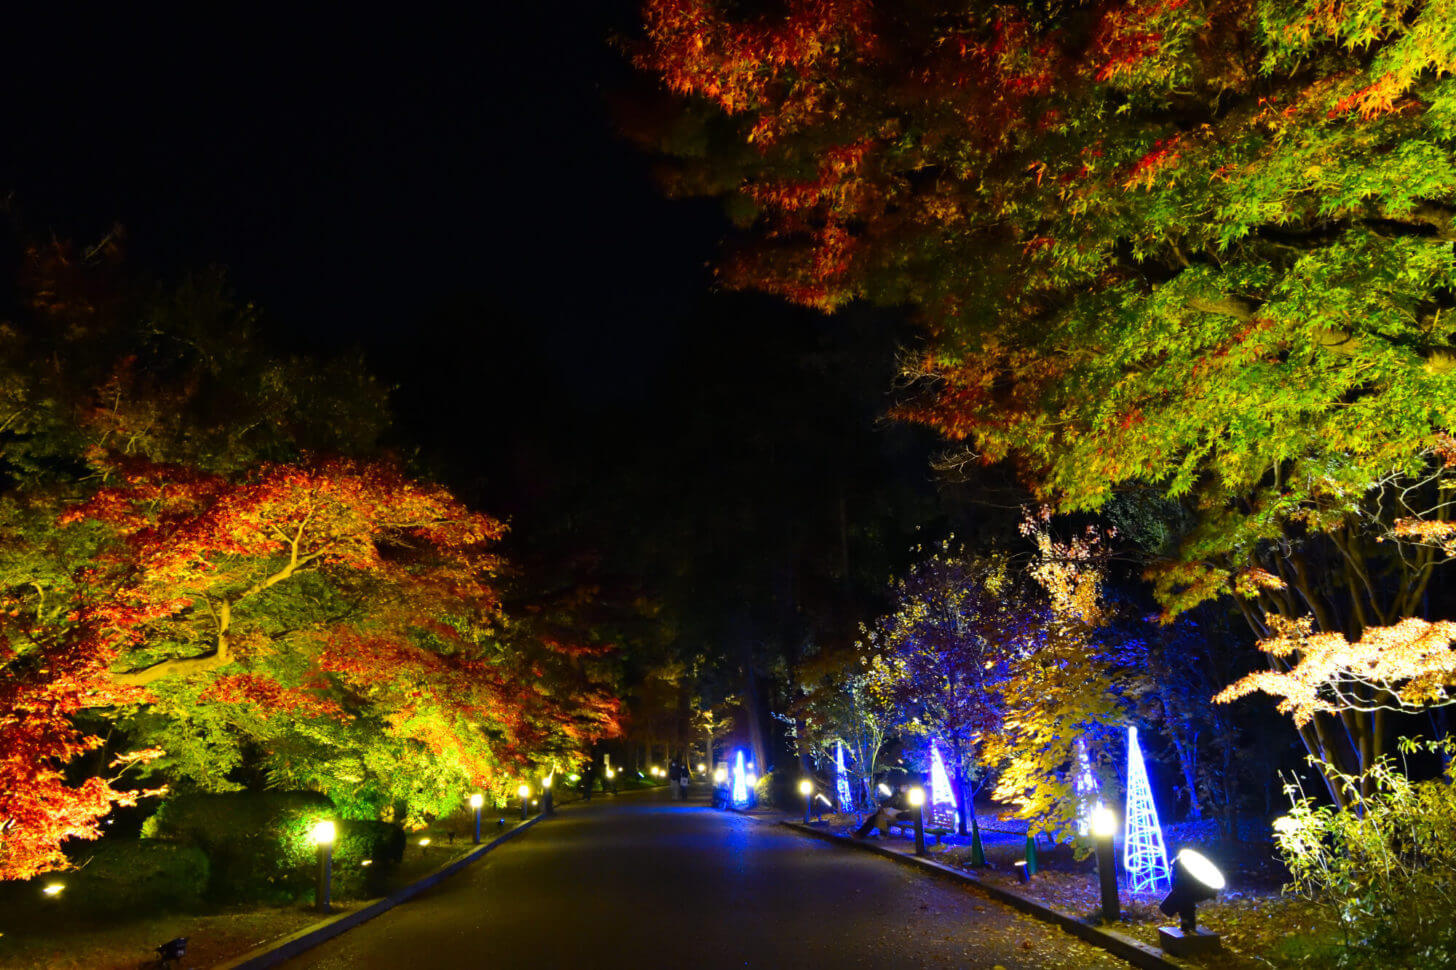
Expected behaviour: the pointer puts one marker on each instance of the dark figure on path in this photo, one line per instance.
(588, 776)
(683, 779)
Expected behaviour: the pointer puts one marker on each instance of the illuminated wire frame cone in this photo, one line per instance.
(1085, 786)
(1143, 855)
(740, 782)
(841, 778)
(942, 795)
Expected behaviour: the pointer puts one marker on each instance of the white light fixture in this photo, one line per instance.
(1104, 822)
(916, 796)
(323, 833)
(477, 800)
(805, 787)
(53, 888)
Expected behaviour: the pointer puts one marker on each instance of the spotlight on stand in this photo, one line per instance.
(171, 951)
(1195, 880)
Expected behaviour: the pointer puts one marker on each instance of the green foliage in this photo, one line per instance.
(258, 843)
(769, 790)
(136, 877)
(1384, 865)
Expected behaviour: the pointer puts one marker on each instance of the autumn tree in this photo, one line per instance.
(176, 563)
(1061, 691)
(1201, 248)
(837, 704)
(940, 658)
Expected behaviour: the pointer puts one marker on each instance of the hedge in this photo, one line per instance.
(261, 848)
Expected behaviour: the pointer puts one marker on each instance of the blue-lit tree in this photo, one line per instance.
(938, 659)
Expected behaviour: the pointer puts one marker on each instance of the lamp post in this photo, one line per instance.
(546, 806)
(916, 797)
(476, 801)
(525, 792)
(1104, 828)
(323, 837)
(806, 788)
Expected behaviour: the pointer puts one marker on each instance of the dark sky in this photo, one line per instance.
(356, 174)
(448, 194)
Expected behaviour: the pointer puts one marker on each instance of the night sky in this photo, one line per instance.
(450, 196)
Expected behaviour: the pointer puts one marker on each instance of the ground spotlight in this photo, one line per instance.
(1195, 880)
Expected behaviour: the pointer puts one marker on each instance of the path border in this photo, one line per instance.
(272, 954)
(1137, 953)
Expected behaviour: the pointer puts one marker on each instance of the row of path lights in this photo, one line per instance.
(324, 834)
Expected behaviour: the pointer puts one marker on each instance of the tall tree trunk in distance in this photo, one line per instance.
(964, 808)
(751, 707)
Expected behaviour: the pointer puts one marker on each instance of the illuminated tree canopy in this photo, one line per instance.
(1196, 253)
(179, 564)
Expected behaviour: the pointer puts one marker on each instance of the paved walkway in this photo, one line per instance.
(638, 881)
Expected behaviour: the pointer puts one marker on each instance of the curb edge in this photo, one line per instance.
(1134, 952)
(272, 954)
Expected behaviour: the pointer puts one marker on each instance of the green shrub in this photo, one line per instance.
(258, 843)
(261, 848)
(1385, 867)
(135, 876)
(381, 844)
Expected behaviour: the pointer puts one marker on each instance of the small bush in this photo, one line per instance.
(1385, 868)
(380, 843)
(258, 843)
(135, 876)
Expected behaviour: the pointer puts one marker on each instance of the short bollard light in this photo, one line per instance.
(885, 789)
(525, 792)
(916, 797)
(1195, 879)
(323, 838)
(1104, 829)
(476, 802)
(806, 788)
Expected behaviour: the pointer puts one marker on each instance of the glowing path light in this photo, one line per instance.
(841, 780)
(740, 783)
(941, 792)
(1143, 854)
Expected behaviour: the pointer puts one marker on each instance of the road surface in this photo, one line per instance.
(638, 881)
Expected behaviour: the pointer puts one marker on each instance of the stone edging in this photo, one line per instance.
(272, 954)
(1134, 952)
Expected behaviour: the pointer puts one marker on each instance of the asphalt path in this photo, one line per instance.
(637, 881)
